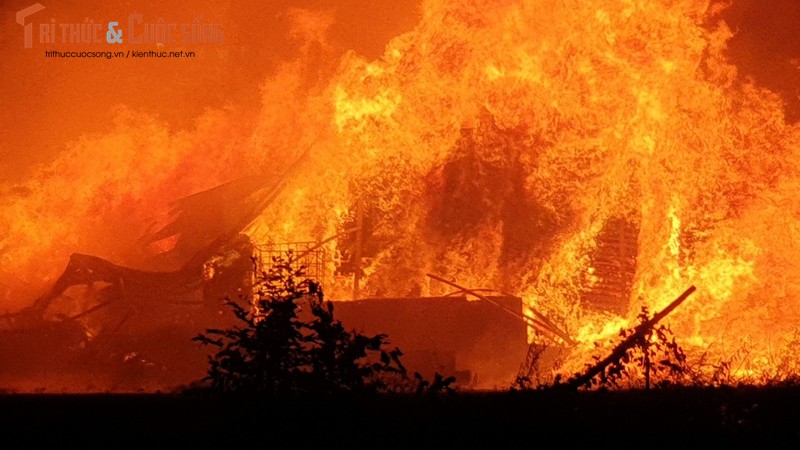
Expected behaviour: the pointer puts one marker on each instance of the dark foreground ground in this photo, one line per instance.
(679, 418)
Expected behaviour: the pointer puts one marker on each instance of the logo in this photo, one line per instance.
(21, 15)
(113, 36)
(136, 30)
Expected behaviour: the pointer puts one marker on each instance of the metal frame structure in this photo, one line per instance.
(309, 255)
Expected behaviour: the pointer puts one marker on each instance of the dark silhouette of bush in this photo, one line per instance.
(288, 342)
(656, 359)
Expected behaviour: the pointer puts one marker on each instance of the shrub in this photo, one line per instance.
(654, 358)
(288, 342)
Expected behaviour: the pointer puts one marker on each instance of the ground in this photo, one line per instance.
(681, 417)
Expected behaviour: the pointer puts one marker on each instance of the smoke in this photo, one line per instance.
(148, 133)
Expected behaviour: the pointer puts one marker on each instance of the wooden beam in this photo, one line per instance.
(524, 317)
(623, 347)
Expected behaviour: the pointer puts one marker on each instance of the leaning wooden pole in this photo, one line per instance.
(357, 251)
(620, 350)
(524, 317)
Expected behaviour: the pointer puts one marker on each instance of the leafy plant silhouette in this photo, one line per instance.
(288, 342)
(655, 357)
(439, 385)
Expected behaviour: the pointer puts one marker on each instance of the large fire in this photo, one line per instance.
(496, 145)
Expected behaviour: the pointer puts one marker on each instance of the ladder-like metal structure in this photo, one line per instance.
(309, 255)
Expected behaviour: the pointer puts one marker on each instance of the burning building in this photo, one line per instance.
(588, 158)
